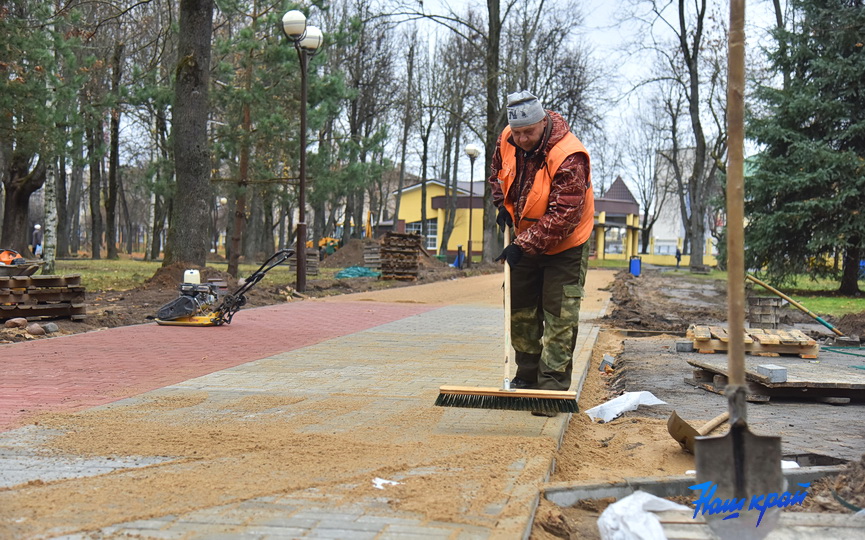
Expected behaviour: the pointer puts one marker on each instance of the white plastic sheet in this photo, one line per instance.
(632, 519)
(379, 483)
(629, 401)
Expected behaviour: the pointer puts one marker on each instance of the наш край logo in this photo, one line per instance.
(707, 503)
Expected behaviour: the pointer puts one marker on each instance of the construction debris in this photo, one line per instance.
(37, 297)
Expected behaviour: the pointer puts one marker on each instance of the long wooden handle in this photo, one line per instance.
(506, 383)
(712, 424)
(736, 195)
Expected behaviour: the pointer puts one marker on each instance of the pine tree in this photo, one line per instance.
(33, 97)
(806, 199)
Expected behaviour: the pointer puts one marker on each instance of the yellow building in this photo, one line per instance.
(617, 220)
(436, 203)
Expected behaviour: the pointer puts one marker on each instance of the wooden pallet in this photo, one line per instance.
(311, 262)
(399, 256)
(42, 297)
(372, 256)
(758, 341)
(831, 379)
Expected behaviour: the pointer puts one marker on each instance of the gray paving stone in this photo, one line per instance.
(16, 470)
(420, 532)
(389, 520)
(289, 522)
(342, 534)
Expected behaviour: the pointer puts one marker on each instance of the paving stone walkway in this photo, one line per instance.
(379, 353)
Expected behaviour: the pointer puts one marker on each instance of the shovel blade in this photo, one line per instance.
(683, 432)
(741, 465)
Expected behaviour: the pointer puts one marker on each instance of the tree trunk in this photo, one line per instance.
(318, 220)
(61, 208)
(187, 235)
(76, 189)
(114, 159)
(452, 192)
(238, 236)
(645, 234)
(850, 276)
(127, 219)
(49, 238)
(495, 125)
(406, 127)
(161, 209)
(267, 237)
(94, 139)
(253, 230)
(346, 220)
(19, 184)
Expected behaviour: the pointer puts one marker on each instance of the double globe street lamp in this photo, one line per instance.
(472, 151)
(307, 39)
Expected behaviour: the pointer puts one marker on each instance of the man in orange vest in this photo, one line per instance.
(541, 184)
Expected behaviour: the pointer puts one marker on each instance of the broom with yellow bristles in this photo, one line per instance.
(507, 398)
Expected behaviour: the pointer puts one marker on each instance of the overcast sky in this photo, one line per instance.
(611, 41)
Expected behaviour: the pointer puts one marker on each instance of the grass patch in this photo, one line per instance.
(108, 275)
(125, 274)
(608, 263)
(819, 296)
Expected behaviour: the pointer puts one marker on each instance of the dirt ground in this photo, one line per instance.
(633, 445)
(660, 305)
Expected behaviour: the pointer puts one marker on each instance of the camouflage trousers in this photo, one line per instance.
(546, 292)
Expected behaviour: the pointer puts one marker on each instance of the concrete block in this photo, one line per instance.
(684, 346)
(775, 373)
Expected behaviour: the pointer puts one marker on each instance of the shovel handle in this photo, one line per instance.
(710, 426)
(506, 382)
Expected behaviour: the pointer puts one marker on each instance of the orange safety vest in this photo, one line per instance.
(539, 196)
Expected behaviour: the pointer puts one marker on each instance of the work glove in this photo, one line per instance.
(504, 218)
(512, 254)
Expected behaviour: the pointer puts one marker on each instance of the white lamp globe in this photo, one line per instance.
(313, 39)
(294, 24)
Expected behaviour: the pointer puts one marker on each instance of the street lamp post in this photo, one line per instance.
(472, 151)
(306, 40)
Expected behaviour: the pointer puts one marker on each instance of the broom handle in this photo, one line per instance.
(506, 382)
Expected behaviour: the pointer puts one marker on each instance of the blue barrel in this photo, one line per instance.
(634, 266)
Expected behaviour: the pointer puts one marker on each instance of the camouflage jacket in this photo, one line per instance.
(567, 192)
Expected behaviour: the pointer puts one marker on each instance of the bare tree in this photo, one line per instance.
(644, 140)
(429, 114)
(687, 38)
(407, 101)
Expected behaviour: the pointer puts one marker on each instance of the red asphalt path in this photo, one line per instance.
(84, 370)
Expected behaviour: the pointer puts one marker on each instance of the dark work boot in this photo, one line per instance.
(519, 384)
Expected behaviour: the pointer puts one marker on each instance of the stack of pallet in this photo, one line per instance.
(399, 256)
(372, 255)
(37, 297)
(311, 262)
(715, 339)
